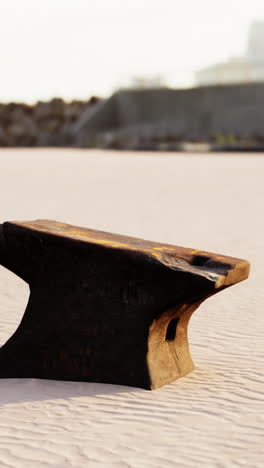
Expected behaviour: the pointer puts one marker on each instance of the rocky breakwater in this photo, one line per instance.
(43, 124)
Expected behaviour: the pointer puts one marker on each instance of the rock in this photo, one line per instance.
(44, 124)
(22, 130)
(53, 108)
(3, 139)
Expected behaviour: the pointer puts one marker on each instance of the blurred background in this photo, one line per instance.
(152, 74)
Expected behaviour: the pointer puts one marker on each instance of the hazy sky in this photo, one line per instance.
(76, 48)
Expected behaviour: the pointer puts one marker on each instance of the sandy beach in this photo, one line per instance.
(214, 417)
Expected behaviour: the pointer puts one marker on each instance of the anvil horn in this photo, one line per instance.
(104, 307)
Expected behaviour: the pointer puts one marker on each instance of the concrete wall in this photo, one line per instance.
(195, 113)
(104, 116)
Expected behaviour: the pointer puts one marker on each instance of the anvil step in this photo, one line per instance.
(105, 307)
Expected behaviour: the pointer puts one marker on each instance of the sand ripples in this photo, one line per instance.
(213, 417)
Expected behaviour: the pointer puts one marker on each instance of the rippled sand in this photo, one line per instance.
(214, 417)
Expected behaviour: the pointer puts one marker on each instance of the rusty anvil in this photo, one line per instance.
(105, 307)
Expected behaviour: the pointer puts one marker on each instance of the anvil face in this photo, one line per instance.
(104, 307)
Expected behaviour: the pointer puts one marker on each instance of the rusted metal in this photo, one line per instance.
(105, 307)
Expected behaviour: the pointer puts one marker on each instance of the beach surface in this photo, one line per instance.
(214, 417)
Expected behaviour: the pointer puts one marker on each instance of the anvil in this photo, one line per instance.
(105, 307)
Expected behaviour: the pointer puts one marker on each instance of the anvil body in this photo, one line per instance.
(105, 307)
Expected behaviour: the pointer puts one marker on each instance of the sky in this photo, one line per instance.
(78, 48)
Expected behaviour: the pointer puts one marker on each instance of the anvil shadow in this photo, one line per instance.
(14, 391)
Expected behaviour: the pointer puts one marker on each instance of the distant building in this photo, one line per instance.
(236, 70)
(255, 52)
(144, 82)
(245, 69)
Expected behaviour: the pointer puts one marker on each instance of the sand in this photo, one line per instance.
(213, 417)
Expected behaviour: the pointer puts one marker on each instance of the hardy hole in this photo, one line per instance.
(171, 330)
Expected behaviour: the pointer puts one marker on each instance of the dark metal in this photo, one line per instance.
(105, 307)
